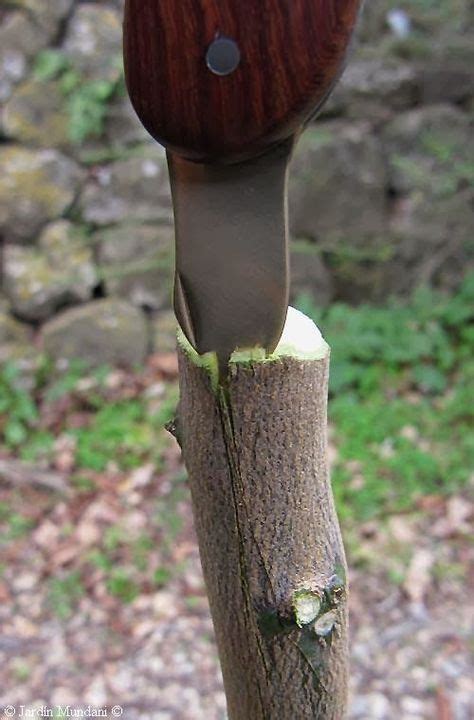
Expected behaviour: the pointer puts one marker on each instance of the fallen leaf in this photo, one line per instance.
(418, 575)
(459, 511)
(87, 534)
(65, 555)
(165, 363)
(456, 519)
(46, 535)
(142, 476)
(401, 529)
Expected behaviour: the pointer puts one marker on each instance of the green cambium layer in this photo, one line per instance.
(301, 340)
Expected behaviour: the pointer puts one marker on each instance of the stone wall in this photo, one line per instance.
(380, 194)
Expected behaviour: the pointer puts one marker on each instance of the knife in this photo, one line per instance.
(226, 86)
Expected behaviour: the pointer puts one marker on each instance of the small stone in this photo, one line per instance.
(104, 332)
(25, 628)
(418, 575)
(374, 706)
(20, 35)
(164, 605)
(25, 582)
(35, 187)
(413, 706)
(96, 693)
(15, 343)
(447, 79)
(63, 696)
(35, 115)
(141, 477)
(59, 272)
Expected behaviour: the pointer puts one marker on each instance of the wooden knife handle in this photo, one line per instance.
(222, 80)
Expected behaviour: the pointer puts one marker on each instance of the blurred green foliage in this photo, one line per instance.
(87, 101)
(18, 411)
(64, 593)
(402, 389)
(124, 432)
(402, 411)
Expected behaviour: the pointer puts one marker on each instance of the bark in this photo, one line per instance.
(270, 545)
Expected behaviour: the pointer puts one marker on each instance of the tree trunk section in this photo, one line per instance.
(270, 545)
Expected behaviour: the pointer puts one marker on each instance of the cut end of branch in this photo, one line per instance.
(301, 340)
(306, 605)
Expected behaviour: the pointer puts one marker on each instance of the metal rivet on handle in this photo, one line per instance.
(223, 56)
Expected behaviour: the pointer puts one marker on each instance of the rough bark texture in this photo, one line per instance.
(269, 539)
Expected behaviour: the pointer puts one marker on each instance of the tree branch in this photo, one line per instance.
(269, 539)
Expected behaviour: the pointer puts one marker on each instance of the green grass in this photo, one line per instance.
(64, 593)
(13, 525)
(402, 383)
(127, 562)
(123, 433)
(121, 585)
(18, 412)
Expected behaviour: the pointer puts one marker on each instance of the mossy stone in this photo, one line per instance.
(35, 115)
(93, 42)
(137, 262)
(135, 189)
(337, 183)
(103, 332)
(36, 186)
(60, 271)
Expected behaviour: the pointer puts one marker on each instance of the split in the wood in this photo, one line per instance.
(301, 340)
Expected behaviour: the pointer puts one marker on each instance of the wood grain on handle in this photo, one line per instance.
(292, 53)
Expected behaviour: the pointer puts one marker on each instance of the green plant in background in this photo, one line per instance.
(18, 412)
(124, 433)
(122, 580)
(454, 167)
(87, 101)
(13, 525)
(402, 382)
(121, 585)
(64, 594)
